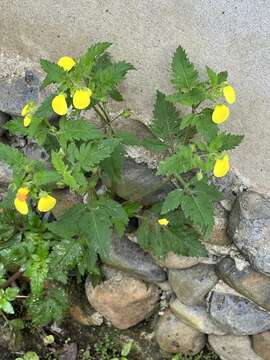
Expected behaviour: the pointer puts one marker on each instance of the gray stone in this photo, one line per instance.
(174, 261)
(5, 174)
(261, 344)
(233, 347)
(124, 302)
(237, 315)
(127, 256)
(174, 336)
(249, 228)
(193, 284)
(139, 183)
(253, 285)
(196, 317)
(219, 234)
(16, 91)
(3, 119)
(64, 201)
(36, 152)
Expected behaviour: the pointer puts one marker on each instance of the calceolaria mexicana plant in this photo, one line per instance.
(194, 149)
(44, 249)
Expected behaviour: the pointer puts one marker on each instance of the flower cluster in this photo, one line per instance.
(27, 112)
(220, 115)
(46, 202)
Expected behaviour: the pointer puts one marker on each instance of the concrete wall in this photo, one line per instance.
(225, 34)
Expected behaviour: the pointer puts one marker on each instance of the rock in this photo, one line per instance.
(139, 183)
(174, 261)
(124, 302)
(195, 316)
(237, 315)
(3, 119)
(261, 345)
(5, 174)
(253, 285)
(249, 228)
(64, 201)
(233, 347)
(16, 91)
(133, 126)
(69, 352)
(127, 256)
(174, 336)
(219, 234)
(36, 152)
(193, 284)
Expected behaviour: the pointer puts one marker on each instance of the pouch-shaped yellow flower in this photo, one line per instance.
(229, 94)
(29, 106)
(220, 114)
(59, 104)
(27, 120)
(20, 200)
(46, 203)
(66, 62)
(82, 98)
(163, 222)
(222, 166)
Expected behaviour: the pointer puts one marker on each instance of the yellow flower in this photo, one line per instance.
(59, 104)
(229, 94)
(20, 200)
(222, 166)
(163, 222)
(66, 62)
(28, 107)
(220, 114)
(81, 98)
(27, 120)
(46, 203)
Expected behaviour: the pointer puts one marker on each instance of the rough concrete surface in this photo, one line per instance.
(225, 34)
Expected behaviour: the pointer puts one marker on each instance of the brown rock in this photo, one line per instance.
(219, 234)
(124, 301)
(64, 201)
(174, 336)
(174, 261)
(261, 345)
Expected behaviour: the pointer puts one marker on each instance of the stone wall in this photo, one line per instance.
(232, 35)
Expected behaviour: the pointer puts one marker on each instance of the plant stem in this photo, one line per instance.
(12, 278)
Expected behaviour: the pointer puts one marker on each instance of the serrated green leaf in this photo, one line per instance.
(190, 98)
(6, 306)
(172, 201)
(106, 79)
(45, 177)
(14, 158)
(113, 166)
(205, 125)
(188, 120)
(166, 119)
(15, 126)
(55, 74)
(184, 74)
(155, 145)
(117, 214)
(178, 163)
(49, 306)
(37, 273)
(70, 130)
(222, 76)
(87, 61)
(212, 76)
(58, 162)
(225, 141)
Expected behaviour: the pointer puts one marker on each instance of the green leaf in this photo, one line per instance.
(87, 61)
(91, 154)
(49, 306)
(106, 79)
(155, 145)
(166, 119)
(212, 76)
(178, 163)
(117, 214)
(71, 130)
(6, 306)
(113, 166)
(185, 76)
(58, 162)
(225, 141)
(38, 273)
(172, 201)
(188, 120)
(13, 157)
(55, 74)
(222, 76)
(45, 177)
(192, 97)
(132, 208)
(11, 293)
(205, 125)
(15, 126)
